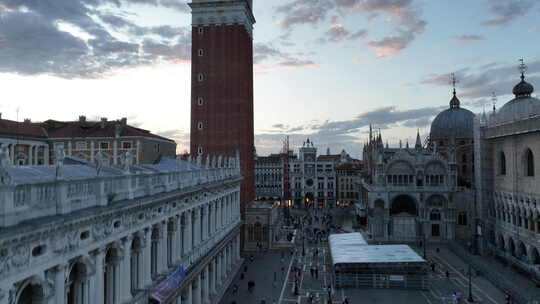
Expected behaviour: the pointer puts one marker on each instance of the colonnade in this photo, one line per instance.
(32, 151)
(122, 270)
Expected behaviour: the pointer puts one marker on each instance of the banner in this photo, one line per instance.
(167, 287)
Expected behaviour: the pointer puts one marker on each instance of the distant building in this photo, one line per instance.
(269, 176)
(507, 146)
(411, 194)
(313, 178)
(35, 143)
(349, 176)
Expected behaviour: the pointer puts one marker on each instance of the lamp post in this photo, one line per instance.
(470, 297)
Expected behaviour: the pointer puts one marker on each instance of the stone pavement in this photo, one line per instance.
(521, 284)
(261, 271)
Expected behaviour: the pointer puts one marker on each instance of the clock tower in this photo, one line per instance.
(222, 84)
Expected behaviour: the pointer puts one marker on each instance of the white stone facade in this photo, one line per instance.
(507, 155)
(410, 194)
(111, 235)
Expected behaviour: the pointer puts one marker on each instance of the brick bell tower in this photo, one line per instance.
(222, 84)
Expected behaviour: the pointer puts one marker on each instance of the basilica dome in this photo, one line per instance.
(455, 122)
(522, 106)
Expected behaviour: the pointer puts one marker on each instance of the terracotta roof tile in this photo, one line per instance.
(27, 129)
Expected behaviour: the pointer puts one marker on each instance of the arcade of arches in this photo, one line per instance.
(204, 239)
(405, 220)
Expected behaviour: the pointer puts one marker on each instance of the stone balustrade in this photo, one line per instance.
(25, 198)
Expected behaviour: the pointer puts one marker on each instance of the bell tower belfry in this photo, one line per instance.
(222, 84)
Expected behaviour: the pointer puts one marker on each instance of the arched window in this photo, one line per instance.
(435, 215)
(529, 161)
(502, 163)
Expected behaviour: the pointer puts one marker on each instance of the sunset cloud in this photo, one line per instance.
(408, 24)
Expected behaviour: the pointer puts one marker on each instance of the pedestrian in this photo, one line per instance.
(346, 300)
(263, 301)
(316, 272)
(245, 268)
(251, 258)
(447, 274)
(235, 289)
(433, 266)
(242, 276)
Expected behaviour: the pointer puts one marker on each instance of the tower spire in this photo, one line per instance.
(522, 68)
(418, 144)
(454, 102)
(494, 100)
(454, 81)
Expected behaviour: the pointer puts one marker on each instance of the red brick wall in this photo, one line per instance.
(227, 90)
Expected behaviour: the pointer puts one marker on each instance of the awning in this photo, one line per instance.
(166, 288)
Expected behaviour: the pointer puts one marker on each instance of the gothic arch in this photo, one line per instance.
(434, 167)
(400, 167)
(34, 290)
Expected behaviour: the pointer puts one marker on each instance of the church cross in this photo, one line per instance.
(522, 68)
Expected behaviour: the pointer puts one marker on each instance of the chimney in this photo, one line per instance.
(103, 122)
(0, 115)
(27, 120)
(82, 118)
(124, 121)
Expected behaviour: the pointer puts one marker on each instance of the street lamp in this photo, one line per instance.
(470, 298)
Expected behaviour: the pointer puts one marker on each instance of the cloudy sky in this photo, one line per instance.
(324, 69)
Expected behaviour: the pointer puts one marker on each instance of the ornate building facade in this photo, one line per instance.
(507, 144)
(409, 193)
(79, 234)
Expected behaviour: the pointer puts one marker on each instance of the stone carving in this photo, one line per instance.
(65, 242)
(102, 230)
(100, 161)
(199, 159)
(127, 160)
(60, 155)
(4, 261)
(207, 164)
(220, 161)
(5, 162)
(215, 163)
(21, 255)
(189, 159)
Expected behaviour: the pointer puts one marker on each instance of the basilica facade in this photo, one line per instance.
(87, 234)
(422, 193)
(507, 143)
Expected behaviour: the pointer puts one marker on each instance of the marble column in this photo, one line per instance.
(30, 155)
(60, 284)
(115, 152)
(125, 270)
(162, 248)
(98, 277)
(190, 293)
(206, 285)
(171, 234)
(178, 234)
(147, 256)
(197, 290)
(196, 227)
(46, 159)
(214, 276)
(12, 153)
(188, 233)
(92, 151)
(204, 216)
